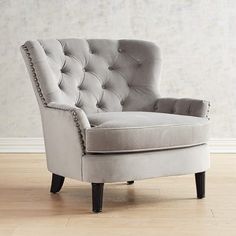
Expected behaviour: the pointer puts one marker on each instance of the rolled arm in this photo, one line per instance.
(183, 106)
(64, 133)
(79, 118)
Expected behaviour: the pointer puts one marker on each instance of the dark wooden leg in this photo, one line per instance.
(57, 182)
(130, 182)
(97, 196)
(200, 184)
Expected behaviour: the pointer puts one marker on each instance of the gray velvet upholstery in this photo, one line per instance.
(97, 75)
(91, 91)
(107, 168)
(143, 131)
(184, 106)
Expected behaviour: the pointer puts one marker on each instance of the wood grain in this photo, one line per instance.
(162, 206)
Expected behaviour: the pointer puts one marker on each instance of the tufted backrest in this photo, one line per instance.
(96, 75)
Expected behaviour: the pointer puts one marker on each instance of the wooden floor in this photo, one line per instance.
(162, 206)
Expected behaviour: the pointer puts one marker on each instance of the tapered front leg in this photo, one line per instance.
(57, 182)
(200, 184)
(97, 196)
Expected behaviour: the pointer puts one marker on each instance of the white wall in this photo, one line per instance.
(197, 38)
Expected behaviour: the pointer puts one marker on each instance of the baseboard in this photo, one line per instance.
(22, 145)
(36, 145)
(223, 145)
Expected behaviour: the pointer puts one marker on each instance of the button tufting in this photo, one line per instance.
(120, 50)
(110, 68)
(139, 64)
(78, 104)
(122, 103)
(104, 86)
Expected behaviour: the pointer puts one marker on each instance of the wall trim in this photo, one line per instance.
(36, 145)
(21, 145)
(222, 145)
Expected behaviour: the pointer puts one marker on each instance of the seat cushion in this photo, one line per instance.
(116, 132)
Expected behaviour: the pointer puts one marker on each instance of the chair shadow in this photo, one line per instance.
(37, 201)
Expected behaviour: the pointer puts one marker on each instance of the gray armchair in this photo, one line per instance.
(103, 118)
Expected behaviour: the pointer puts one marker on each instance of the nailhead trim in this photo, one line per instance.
(37, 84)
(76, 120)
(35, 76)
(208, 110)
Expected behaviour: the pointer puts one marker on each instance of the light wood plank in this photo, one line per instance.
(162, 206)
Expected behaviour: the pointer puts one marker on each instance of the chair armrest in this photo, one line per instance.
(76, 112)
(183, 106)
(79, 118)
(64, 134)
